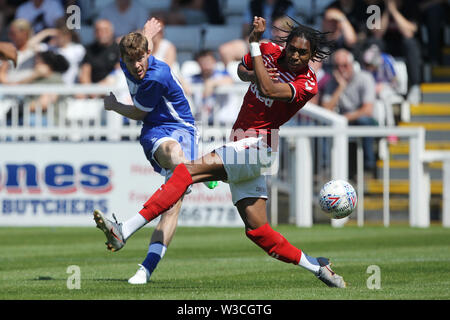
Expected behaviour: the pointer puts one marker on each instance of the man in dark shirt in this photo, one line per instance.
(398, 37)
(353, 10)
(102, 56)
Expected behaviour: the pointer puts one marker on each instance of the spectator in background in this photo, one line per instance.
(381, 66)
(323, 78)
(341, 31)
(102, 56)
(8, 52)
(48, 69)
(20, 34)
(125, 15)
(7, 12)
(281, 28)
(41, 14)
(268, 9)
(354, 11)
(207, 100)
(433, 15)
(65, 42)
(193, 12)
(397, 36)
(352, 94)
(163, 49)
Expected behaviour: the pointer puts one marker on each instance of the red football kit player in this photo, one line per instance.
(266, 115)
(281, 83)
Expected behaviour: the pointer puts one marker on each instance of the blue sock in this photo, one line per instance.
(156, 251)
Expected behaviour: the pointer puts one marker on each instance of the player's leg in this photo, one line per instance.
(168, 155)
(207, 168)
(257, 229)
(217, 165)
(170, 194)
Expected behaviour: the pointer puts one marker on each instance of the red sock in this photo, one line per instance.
(168, 194)
(275, 244)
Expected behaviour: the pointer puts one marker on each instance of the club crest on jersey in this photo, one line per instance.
(267, 101)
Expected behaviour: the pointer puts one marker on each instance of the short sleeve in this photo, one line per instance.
(87, 56)
(267, 48)
(247, 61)
(304, 88)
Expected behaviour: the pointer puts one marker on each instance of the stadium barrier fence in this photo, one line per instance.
(70, 119)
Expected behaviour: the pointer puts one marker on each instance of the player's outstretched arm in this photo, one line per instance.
(249, 75)
(129, 111)
(268, 88)
(151, 28)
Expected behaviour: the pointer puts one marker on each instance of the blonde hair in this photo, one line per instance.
(133, 45)
(22, 25)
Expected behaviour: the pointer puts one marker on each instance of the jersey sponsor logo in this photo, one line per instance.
(57, 178)
(267, 101)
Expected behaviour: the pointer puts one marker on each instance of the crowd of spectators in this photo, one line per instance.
(361, 71)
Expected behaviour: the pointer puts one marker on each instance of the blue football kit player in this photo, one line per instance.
(168, 136)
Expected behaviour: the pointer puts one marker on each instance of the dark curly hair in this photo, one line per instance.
(321, 48)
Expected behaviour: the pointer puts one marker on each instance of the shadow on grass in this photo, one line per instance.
(46, 278)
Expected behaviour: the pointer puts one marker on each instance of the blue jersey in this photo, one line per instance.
(169, 115)
(160, 94)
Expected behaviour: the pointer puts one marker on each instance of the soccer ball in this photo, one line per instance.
(338, 198)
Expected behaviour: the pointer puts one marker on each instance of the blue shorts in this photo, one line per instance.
(153, 136)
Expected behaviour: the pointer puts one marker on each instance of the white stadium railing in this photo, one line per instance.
(71, 119)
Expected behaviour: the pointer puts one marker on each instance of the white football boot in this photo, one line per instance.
(328, 276)
(142, 276)
(112, 230)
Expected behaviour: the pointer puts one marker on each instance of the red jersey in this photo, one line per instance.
(264, 114)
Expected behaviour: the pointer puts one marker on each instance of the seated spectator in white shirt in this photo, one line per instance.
(211, 107)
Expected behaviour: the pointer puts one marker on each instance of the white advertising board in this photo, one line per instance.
(60, 184)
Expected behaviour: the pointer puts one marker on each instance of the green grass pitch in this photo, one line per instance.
(222, 264)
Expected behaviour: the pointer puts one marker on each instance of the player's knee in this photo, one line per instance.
(170, 154)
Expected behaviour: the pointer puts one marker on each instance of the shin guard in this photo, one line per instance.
(274, 244)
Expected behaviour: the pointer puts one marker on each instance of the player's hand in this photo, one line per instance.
(151, 28)
(259, 26)
(109, 101)
(273, 74)
(340, 79)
